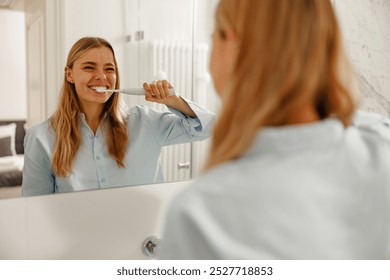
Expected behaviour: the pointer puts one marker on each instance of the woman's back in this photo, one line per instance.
(314, 191)
(291, 173)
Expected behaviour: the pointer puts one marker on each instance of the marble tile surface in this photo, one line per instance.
(366, 29)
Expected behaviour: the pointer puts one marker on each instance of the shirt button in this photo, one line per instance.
(102, 180)
(97, 157)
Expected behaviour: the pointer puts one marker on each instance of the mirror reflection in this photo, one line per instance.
(90, 142)
(151, 43)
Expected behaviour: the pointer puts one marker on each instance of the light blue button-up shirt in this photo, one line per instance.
(310, 191)
(94, 168)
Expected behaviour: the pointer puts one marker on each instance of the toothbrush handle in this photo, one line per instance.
(141, 91)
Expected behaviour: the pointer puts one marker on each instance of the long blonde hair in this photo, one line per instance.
(289, 55)
(66, 120)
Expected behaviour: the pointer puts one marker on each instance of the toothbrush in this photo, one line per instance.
(132, 91)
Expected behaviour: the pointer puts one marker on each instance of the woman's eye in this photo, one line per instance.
(88, 68)
(110, 69)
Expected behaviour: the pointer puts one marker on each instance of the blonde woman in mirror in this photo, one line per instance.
(295, 171)
(91, 142)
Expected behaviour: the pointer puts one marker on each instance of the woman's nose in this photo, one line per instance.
(100, 75)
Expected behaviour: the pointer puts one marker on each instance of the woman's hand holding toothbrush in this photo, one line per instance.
(158, 91)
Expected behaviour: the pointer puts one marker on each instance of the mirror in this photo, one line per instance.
(152, 40)
(134, 27)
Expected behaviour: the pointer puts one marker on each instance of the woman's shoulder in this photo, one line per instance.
(140, 111)
(144, 113)
(372, 125)
(42, 130)
(40, 127)
(140, 117)
(369, 137)
(220, 180)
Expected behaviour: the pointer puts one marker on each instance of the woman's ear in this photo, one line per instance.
(230, 35)
(231, 40)
(68, 75)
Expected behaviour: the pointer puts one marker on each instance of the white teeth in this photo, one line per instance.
(99, 88)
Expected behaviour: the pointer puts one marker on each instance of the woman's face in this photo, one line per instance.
(221, 60)
(94, 69)
(218, 71)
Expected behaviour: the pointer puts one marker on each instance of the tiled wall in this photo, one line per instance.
(366, 29)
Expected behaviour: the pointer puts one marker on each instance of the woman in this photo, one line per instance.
(288, 176)
(91, 143)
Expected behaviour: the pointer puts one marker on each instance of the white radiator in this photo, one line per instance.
(187, 71)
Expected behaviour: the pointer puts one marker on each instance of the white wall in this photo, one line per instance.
(366, 27)
(13, 103)
(93, 18)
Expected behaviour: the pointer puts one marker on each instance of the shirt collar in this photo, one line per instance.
(86, 126)
(292, 138)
